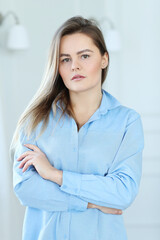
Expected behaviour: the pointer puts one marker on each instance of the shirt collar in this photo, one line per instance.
(108, 102)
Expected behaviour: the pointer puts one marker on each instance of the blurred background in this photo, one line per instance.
(133, 32)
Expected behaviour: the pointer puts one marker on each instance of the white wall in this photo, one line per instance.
(133, 78)
(136, 83)
(141, 90)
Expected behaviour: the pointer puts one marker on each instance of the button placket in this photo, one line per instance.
(74, 136)
(66, 225)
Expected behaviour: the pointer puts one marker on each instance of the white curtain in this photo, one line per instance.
(4, 182)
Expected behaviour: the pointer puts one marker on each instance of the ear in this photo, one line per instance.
(104, 63)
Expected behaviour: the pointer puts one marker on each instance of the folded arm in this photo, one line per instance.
(34, 191)
(119, 187)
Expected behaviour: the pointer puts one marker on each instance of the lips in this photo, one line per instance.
(77, 77)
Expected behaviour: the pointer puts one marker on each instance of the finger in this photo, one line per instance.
(29, 163)
(111, 210)
(115, 211)
(33, 147)
(24, 161)
(24, 155)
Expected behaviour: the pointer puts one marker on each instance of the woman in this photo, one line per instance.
(77, 151)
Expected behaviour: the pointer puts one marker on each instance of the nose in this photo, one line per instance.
(75, 65)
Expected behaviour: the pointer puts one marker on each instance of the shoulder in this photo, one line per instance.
(129, 113)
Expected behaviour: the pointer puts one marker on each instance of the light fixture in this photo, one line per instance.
(111, 35)
(17, 35)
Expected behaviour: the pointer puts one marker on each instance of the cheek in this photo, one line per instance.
(60, 70)
(94, 68)
(64, 75)
(63, 72)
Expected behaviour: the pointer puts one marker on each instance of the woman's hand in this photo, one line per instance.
(110, 210)
(39, 160)
(106, 209)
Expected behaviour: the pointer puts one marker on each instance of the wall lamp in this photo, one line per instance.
(17, 38)
(111, 34)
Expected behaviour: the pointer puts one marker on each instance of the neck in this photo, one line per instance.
(85, 102)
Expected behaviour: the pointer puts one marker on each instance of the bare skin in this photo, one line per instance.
(39, 160)
(79, 55)
(105, 209)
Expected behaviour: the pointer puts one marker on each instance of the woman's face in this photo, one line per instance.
(80, 56)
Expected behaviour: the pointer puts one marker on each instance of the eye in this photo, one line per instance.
(84, 56)
(65, 60)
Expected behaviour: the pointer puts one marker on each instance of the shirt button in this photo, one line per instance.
(74, 149)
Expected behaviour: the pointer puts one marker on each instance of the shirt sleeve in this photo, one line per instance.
(119, 186)
(34, 191)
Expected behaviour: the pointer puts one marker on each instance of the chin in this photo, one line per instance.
(81, 89)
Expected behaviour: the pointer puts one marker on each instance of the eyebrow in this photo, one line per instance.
(79, 52)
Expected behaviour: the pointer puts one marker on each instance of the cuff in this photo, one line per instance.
(71, 182)
(77, 204)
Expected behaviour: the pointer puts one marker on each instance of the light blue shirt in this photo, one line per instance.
(101, 164)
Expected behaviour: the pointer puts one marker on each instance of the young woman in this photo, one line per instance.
(77, 151)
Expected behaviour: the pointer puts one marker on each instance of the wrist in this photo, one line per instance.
(59, 177)
(91, 205)
(56, 176)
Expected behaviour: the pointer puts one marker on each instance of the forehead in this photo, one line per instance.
(76, 42)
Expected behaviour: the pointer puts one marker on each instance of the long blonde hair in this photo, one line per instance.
(52, 87)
